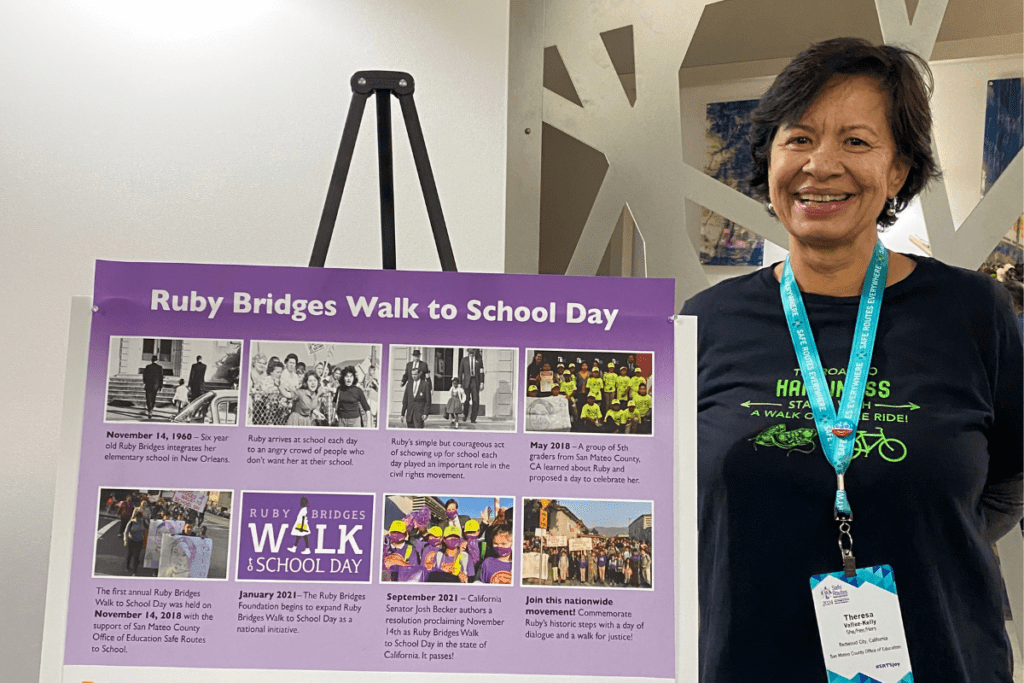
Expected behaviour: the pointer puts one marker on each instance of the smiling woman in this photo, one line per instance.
(832, 172)
(841, 143)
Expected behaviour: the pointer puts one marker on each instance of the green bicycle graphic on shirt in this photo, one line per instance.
(891, 449)
(802, 440)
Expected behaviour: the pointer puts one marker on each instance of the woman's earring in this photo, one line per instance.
(890, 209)
(771, 210)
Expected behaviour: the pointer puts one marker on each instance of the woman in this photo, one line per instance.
(841, 143)
(451, 510)
(350, 403)
(371, 388)
(333, 379)
(305, 409)
(268, 405)
(257, 371)
(134, 538)
(581, 378)
(291, 378)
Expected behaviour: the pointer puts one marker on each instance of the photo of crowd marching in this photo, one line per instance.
(593, 392)
(153, 533)
(312, 384)
(452, 387)
(441, 539)
(181, 381)
(587, 543)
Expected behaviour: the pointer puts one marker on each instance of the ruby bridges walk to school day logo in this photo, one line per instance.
(801, 440)
(305, 536)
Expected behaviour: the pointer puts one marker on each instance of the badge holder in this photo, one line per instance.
(383, 84)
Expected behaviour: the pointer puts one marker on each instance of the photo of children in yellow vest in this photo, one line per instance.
(587, 543)
(438, 539)
(584, 390)
(452, 387)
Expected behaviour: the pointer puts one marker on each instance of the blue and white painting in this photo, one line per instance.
(723, 243)
(1004, 135)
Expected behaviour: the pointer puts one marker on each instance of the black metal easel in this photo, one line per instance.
(384, 84)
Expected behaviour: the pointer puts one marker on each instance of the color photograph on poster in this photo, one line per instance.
(313, 384)
(452, 387)
(1004, 137)
(593, 392)
(588, 543)
(180, 381)
(448, 539)
(305, 536)
(161, 533)
(727, 153)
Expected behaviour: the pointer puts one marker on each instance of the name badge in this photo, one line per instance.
(861, 627)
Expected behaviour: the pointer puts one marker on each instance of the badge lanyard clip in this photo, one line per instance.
(845, 539)
(837, 430)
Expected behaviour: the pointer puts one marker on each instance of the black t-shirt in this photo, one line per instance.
(942, 417)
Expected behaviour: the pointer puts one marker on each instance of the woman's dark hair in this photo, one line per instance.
(349, 370)
(450, 501)
(303, 502)
(493, 530)
(274, 364)
(291, 356)
(305, 378)
(903, 76)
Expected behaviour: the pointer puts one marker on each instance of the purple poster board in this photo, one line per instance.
(300, 510)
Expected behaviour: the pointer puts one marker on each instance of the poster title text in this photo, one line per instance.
(300, 309)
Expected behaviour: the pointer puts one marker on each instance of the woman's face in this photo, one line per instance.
(276, 374)
(336, 375)
(319, 369)
(313, 383)
(261, 365)
(830, 173)
(350, 379)
(291, 364)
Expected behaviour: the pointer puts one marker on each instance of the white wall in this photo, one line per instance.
(958, 111)
(206, 131)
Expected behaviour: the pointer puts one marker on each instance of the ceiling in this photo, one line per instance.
(758, 30)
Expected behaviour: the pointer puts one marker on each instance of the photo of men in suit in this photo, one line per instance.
(197, 379)
(459, 396)
(471, 375)
(416, 400)
(152, 382)
(418, 364)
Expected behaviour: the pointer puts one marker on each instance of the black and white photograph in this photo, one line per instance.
(161, 533)
(591, 392)
(452, 387)
(313, 384)
(182, 381)
(577, 543)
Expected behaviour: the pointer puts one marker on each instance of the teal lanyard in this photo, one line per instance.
(837, 432)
